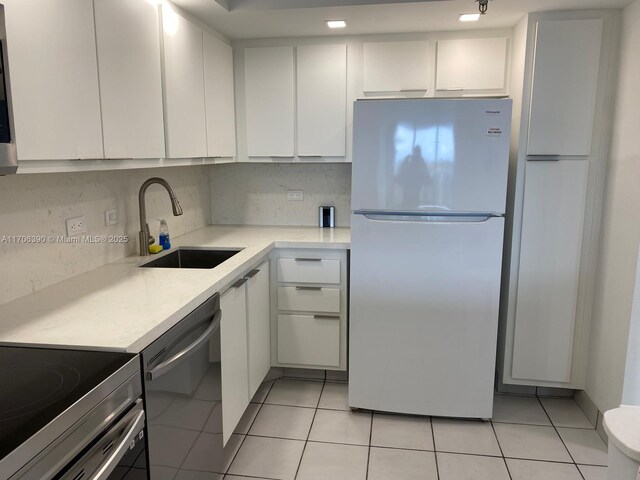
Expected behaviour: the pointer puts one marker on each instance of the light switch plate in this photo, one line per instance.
(111, 217)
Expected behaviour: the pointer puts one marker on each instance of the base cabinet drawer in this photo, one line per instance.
(309, 299)
(309, 340)
(308, 270)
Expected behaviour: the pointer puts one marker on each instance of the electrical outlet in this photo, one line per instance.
(76, 226)
(111, 217)
(295, 195)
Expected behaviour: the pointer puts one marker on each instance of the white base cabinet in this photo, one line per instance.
(258, 326)
(309, 309)
(234, 358)
(245, 343)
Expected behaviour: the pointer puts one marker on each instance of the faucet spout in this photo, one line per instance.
(145, 236)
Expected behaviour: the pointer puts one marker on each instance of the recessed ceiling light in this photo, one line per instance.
(336, 23)
(469, 17)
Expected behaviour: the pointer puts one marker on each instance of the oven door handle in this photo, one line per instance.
(168, 364)
(110, 463)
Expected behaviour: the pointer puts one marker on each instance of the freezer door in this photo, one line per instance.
(436, 155)
(424, 315)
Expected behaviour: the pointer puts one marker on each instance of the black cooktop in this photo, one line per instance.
(38, 384)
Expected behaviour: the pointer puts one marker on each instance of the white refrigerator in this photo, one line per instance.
(428, 199)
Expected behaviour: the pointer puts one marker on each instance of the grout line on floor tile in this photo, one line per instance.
(501, 451)
(559, 436)
(304, 448)
(435, 455)
(244, 437)
(366, 476)
(292, 406)
(226, 470)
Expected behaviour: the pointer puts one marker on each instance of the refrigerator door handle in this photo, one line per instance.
(384, 217)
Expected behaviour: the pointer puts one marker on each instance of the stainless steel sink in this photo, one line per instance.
(192, 258)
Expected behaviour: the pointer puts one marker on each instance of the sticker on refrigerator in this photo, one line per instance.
(494, 132)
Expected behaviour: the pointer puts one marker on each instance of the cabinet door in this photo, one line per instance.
(235, 370)
(128, 39)
(54, 79)
(184, 86)
(565, 80)
(219, 98)
(552, 225)
(322, 100)
(395, 66)
(259, 327)
(471, 64)
(269, 91)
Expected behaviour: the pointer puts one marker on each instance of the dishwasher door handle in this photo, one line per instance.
(110, 463)
(168, 364)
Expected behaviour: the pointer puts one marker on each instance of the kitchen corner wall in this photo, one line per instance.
(620, 233)
(256, 194)
(38, 204)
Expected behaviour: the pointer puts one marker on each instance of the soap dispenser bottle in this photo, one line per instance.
(163, 235)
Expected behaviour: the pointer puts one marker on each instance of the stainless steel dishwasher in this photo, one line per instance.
(183, 396)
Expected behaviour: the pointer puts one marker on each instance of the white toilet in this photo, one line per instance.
(622, 425)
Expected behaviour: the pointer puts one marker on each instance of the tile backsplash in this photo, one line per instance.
(256, 194)
(38, 204)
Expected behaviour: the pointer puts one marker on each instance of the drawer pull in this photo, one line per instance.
(252, 273)
(239, 283)
(308, 259)
(317, 289)
(327, 317)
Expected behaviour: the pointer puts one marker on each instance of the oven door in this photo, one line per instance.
(183, 396)
(119, 454)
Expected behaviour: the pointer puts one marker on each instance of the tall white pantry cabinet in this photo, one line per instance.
(560, 145)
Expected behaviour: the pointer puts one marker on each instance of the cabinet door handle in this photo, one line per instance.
(239, 282)
(308, 259)
(543, 158)
(252, 273)
(309, 288)
(327, 317)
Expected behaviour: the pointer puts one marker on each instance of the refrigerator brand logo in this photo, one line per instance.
(494, 132)
(492, 112)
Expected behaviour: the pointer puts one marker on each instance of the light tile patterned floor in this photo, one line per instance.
(304, 430)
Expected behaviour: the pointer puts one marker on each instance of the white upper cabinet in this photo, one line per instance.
(184, 86)
(395, 66)
(219, 99)
(128, 40)
(565, 80)
(322, 100)
(54, 79)
(269, 94)
(471, 64)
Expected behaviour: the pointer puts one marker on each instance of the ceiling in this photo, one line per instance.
(246, 19)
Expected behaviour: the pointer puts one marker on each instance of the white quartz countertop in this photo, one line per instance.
(122, 307)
